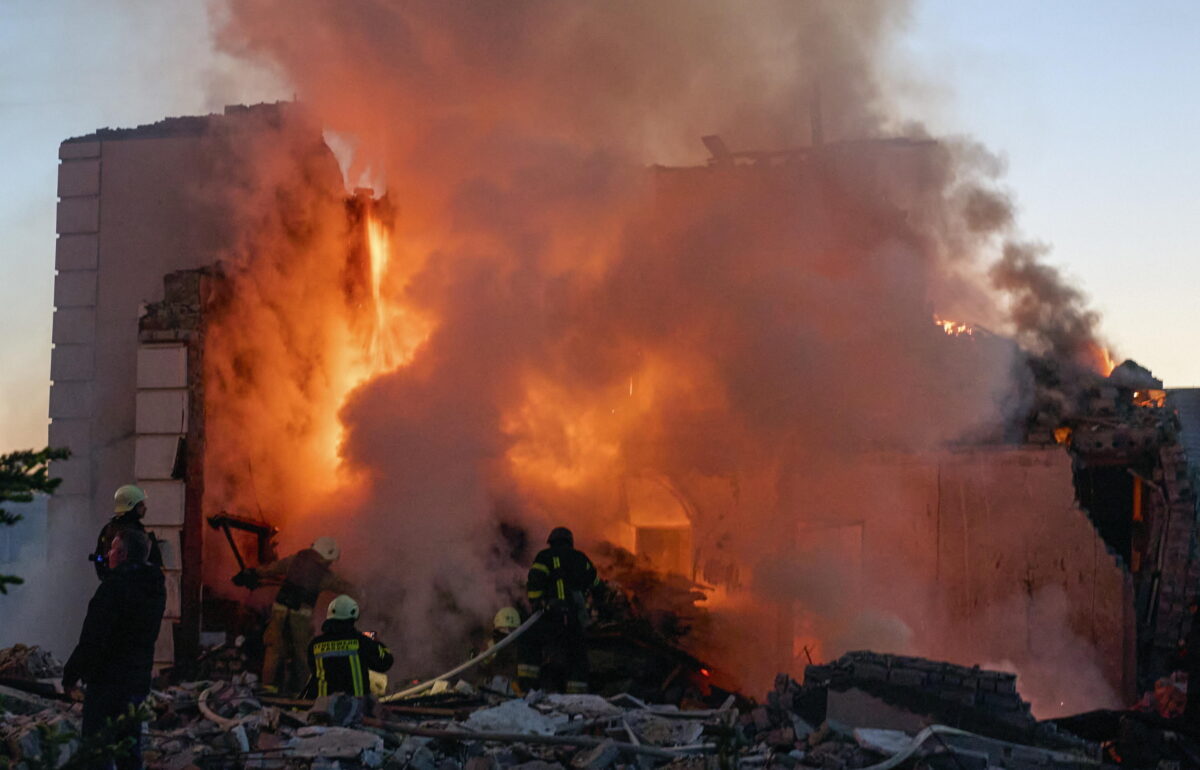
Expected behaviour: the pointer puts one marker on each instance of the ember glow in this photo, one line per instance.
(551, 330)
(953, 328)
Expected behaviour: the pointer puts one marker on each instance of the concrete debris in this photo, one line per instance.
(514, 716)
(588, 706)
(658, 730)
(202, 725)
(886, 742)
(338, 743)
(28, 663)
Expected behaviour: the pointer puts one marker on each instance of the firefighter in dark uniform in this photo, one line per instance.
(306, 575)
(559, 581)
(115, 654)
(341, 657)
(129, 505)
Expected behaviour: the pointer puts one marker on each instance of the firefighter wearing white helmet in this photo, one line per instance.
(344, 659)
(129, 508)
(305, 574)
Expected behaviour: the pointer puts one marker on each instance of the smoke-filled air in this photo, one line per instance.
(567, 309)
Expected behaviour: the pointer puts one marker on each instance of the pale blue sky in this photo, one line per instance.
(1094, 104)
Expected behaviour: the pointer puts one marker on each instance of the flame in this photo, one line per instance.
(391, 339)
(1150, 398)
(379, 250)
(953, 328)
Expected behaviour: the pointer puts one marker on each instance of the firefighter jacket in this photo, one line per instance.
(561, 576)
(116, 645)
(339, 660)
(306, 575)
(116, 524)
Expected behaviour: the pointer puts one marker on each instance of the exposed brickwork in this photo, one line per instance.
(994, 692)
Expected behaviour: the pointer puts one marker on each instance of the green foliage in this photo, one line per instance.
(21, 475)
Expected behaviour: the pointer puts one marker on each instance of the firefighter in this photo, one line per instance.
(129, 507)
(559, 581)
(306, 575)
(504, 663)
(115, 653)
(342, 657)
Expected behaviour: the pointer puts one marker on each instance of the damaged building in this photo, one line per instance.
(1080, 519)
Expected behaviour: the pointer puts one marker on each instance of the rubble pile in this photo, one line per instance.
(864, 710)
(22, 662)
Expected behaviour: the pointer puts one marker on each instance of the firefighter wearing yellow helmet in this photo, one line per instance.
(306, 574)
(344, 659)
(129, 508)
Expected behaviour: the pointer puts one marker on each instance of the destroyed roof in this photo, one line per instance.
(188, 125)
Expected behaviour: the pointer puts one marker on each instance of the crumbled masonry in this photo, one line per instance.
(954, 717)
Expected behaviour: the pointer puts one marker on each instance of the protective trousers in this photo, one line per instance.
(285, 648)
(557, 638)
(106, 718)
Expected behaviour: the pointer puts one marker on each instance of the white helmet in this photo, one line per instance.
(127, 497)
(327, 547)
(342, 608)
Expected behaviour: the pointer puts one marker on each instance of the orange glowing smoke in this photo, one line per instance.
(540, 333)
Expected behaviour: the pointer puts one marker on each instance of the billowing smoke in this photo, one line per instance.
(572, 328)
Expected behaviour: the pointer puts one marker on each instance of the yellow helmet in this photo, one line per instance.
(127, 497)
(342, 608)
(507, 619)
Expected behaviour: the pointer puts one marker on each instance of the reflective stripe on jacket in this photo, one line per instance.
(561, 574)
(340, 657)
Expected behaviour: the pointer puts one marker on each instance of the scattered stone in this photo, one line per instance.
(597, 758)
(231, 727)
(28, 663)
(514, 716)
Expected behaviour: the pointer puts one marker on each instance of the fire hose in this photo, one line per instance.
(489, 652)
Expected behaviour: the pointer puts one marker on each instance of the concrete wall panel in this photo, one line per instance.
(172, 580)
(75, 435)
(78, 215)
(76, 150)
(74, 325)
(169, 546)
(76, 475)
(164, 503)
(75, 288)
(164, 646)
(162, 366)
(70, 400)
(72, 362)
(155, 457)
(162, 411)
(995, 536)
(77, 252)
(79, 177)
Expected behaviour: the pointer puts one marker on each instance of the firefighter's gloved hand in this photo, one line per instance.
(247, 578)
